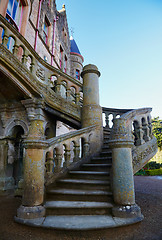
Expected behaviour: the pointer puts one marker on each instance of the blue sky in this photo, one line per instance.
(123, 38)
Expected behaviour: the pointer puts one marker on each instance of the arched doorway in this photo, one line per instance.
(15, 154)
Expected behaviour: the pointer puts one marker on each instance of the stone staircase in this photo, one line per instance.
(83, 199)
(84, 193)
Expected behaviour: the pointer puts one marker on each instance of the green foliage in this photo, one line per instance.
(154, 172)
(141, 172)
(150, 169)
(157, 130)
(154, 165)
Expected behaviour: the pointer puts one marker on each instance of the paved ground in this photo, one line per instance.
(148, 197)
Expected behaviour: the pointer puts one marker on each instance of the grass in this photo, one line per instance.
(152, 168)
(154, 172)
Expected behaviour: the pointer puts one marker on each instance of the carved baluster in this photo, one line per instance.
(114, 116)
(77, 98)
(85, 148)
(5, 38)
(138, 133)
(146, 131)
(24, 59)
(58, 159)
(15, 50)
(150, 127)
(68, 94)
(107, 119)
(32, 67)
(67, 155)
(49, 162)
(76, 151)
(58, 85)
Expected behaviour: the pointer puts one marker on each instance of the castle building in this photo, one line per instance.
(71, 170)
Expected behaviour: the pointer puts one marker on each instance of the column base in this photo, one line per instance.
(24, 212)
(128, 211)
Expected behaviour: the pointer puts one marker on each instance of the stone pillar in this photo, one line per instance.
(34, 164)
(34, 169)
(91, 110)
(121, 142)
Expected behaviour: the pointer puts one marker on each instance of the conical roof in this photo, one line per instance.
(74, 48)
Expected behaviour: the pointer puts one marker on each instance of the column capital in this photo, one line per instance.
(90, 68)
(121, 135)
(34, 108)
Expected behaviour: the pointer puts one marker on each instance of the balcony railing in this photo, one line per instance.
(42, 76)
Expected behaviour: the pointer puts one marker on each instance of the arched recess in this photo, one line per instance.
(15, 131)
(16, 122)
(15, 153)
(50, 129)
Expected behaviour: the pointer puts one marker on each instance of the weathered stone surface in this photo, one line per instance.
(24, 212)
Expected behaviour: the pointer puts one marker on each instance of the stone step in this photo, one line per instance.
(77, 208)
(79, 195)
(96, 167)
(105, 153)
(104, 165)
(106, 136)
(84, 184)
(79, 222)
(106, 133)
(89, 174)
(105, 147)
(102, 159)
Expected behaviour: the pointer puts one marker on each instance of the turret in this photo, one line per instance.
(76, 60)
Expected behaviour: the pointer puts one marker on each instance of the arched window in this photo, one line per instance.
(77, 74)
(61, 57)
(14, 13)
(46, 30)
(65, 64)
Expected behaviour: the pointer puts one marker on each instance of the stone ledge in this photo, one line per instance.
(79, 222)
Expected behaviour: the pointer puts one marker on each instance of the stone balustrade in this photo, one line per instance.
(46, 76)
(139, 123)
(67, 150)
(111, 113)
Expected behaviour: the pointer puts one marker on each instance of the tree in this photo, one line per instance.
(157, 130)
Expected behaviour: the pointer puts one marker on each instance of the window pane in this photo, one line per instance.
(18, 14)
(77, 74)
(15, 10)
(46, 28)
(9, 7)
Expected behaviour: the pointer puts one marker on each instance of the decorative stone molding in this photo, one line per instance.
(40, 73)
(142, 154)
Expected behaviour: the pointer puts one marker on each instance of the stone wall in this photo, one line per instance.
(50, 13)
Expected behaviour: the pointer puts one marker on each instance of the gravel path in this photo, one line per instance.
(148, 197)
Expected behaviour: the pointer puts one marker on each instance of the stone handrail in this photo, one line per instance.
(66, 151)
(134, 127)
(56, 87)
